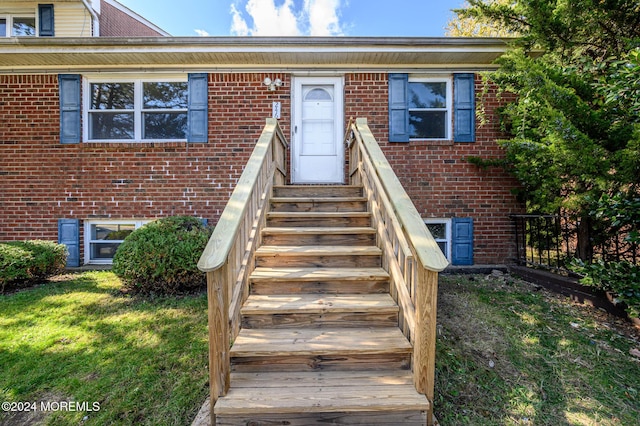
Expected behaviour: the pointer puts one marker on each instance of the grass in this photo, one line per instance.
(144, 361)
(509, 353)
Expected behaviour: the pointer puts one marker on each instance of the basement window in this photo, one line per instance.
(440, 230)
(102, 238)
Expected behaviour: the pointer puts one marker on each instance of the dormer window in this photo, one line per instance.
(17, 26)
(39, 22)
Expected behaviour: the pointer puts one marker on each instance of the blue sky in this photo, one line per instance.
(420, 18)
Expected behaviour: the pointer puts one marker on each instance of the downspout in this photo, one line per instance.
(95, 20)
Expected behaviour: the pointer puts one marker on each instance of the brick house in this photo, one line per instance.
(99, 135)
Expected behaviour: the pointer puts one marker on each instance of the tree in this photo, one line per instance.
(572, 29)
(477, 26)
(574, 122)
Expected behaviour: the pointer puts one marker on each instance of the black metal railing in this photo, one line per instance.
(553, 241)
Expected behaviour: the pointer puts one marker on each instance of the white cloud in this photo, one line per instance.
(271, 20)
(324, 17)
(264, 18)
(202, 33)
(239, 26)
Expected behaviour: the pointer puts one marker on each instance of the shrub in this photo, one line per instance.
(621, 278)
(24, 263)
(161, 257)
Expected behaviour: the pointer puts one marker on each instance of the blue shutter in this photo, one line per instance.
(204, 221)
(70, 109)
(45, 16)
(198, 108)
(464, 108)
(69, 235)
(462, 241)
(398, 108)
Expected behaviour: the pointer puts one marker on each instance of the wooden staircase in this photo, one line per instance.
(319, 341)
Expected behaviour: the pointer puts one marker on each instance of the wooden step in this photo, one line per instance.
(317, 191)
(318, 219)
(326, 204)
(309, 349)
(316, 310)
(318, 256)
(355, 236)
(307, 398)
(282, 280)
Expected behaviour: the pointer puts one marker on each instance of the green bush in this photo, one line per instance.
(24, 263)
(161, 256)
(622, 214)
(621, 278)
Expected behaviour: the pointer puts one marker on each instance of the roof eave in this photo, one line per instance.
(33, 54)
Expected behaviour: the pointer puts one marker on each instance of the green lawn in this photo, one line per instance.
(509, 353)
(143, 361)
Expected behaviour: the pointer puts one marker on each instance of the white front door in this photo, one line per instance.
(317, 152)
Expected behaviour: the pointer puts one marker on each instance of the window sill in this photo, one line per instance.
(99, 263)
(433, 142)
(134, 142)
(134, 145)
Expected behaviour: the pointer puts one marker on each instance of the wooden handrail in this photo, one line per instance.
(219, 246)
(427, 249)
(410, 254)
(228, 254)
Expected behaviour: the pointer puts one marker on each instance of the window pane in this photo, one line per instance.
(23, 27)
(105, 125)
(3, 27)
(112, 96)
(103, 250)
(111, 231)
(164, 126)
(165, 95)
(438, 230)
(428, 124)
(428, 95)
(443, 247)
(318, 94)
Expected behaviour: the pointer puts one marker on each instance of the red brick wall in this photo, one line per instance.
(115, 23)
(42, 181)
(436, 175)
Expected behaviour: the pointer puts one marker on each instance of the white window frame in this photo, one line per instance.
(449, 107)
(138, 81)
(448, 233)
(88, 241)
(9, 17)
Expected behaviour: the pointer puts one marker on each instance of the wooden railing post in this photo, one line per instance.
(424, 348)
(219, 364)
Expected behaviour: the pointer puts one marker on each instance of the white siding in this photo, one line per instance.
(19, 8)
(71, 17)
(72, 20)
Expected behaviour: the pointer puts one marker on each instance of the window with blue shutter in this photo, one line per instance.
(398, 108)
(198, 108)
(70, 108)
(462, 241)
(45, 17)
(69, 235)
(464, 108)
